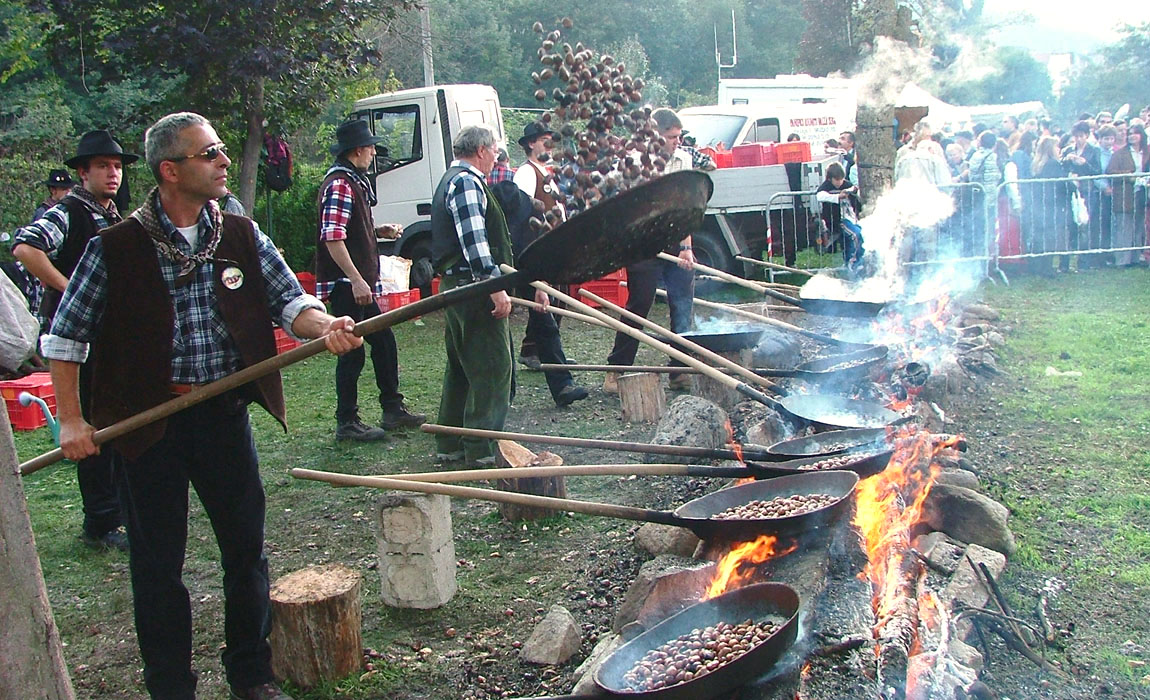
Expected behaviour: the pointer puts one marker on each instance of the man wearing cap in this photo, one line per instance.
(469, 241)
(59, 183)
(177, 296)
(347, 275)
(541, 343)
(50, 248)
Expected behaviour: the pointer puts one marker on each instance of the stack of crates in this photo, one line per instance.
(754, 154)
(612, 287)
(284, 342)
(31, 416)
(794, 152)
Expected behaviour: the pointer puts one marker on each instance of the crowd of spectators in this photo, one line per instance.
(1041, 189)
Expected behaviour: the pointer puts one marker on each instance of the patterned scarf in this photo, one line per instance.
(152, 217)
(110, 213)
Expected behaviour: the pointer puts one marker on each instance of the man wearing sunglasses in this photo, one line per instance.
(50, 248)
(347, 276)
(177, 296)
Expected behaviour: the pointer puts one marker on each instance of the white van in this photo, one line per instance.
(738, 124)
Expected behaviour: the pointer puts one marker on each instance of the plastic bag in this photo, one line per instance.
(394, 273)
(1078, 207)
(19, 329)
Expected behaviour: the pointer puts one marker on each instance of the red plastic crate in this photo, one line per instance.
(794, 152)
(752, 154)
(307, 281)
(435, 285)
(388, 302)
(28, 417)
(724, 159)
(284, 342)
(613, 290)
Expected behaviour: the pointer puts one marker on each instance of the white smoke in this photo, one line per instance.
(886, 70)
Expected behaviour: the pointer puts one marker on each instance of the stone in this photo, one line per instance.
(996, 339)
(925, 543)
(650, 574)
(412, 523)
(946, 378)
(758, 424)
(690, 421)
(946, 553)
(778, 349)
(958, 477)
(585, 685)
(969, 516)
(966, 586)
(554, 640)
(420, 581)
(966, 655)
(657, 539)
(980, 312)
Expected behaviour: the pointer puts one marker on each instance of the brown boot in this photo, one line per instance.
(611, 383)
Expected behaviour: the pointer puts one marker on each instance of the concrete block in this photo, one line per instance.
(412, 523)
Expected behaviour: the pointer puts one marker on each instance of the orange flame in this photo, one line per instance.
(727, 575)
(733, 444)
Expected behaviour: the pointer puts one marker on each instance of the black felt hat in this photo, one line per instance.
(533, 131)
(59, 178)
(353, 134)
(99, 143)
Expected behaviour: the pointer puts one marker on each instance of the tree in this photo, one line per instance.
(264, 60)
(827, 43)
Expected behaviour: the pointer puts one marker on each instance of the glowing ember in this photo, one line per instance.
(728, 576)
(733, 444)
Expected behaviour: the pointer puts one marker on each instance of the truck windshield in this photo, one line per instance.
(400, 127)
(713, 129)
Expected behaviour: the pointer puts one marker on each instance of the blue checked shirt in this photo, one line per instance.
(202, 349)
(467, 203)
(49, 231)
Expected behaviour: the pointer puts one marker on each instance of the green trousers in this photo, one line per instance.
(479, 380)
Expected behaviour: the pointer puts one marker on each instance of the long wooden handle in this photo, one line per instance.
(694, 347)
(566, 504)
(727, 380)
(749, 451)
(774, 266)
(728, 277)
(573, 470)
(273, 364)
(653, 369)
(773, 321)
(559, 312)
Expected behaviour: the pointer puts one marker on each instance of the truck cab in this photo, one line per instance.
(734, 125)
(419, 125)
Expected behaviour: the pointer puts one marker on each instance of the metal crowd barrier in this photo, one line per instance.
(796, 234)
(1037, 220)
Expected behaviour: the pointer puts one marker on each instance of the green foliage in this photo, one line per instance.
(1117, 77)
(294, 216)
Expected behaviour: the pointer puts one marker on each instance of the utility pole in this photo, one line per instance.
(425, 45)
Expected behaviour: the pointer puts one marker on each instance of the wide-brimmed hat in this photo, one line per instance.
(99, 143)
(353, 134)
(533, 131)
(59, 178)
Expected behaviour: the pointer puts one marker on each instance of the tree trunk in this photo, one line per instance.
(316, 633)
(253, 142)
(29, 640)
(874, 159)
(641, 394)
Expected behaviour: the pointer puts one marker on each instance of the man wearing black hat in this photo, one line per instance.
(50, 248)
(347, 275)
(541, 343)
(59, 182)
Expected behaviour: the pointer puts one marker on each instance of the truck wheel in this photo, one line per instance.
(711, 250)
(422, 271)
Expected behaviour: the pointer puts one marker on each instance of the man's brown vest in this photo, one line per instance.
(541, 174)
(132, 356)
(360, 241)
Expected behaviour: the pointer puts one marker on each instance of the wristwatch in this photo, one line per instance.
(685, 247)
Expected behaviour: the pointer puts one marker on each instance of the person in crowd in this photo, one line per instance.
(501, 172)
(1009, 132)
(1099, 121)
(832, 146)
(847, 143)
(678, 278)
(965, 139)
(1031, 125)
(794, 137)
(955, 160)
(1082, 158)
(542, 343)
(176, 296)
(59, 183)
(1123, 223)
(840, 213)
(470, 240)
(1011, 218)
(1050, 202)
(347, 276)
(1100, 227)
(1140, 154)
(986, 173)
(50, 248)
(1045, 128)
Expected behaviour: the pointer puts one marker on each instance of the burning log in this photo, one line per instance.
(897, 626)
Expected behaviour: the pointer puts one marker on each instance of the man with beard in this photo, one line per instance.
(50, 248)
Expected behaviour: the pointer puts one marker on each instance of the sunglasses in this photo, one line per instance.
(210, 154)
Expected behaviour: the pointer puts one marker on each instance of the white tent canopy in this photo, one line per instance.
(960, 117)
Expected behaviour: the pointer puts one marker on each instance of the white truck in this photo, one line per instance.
(419, 125)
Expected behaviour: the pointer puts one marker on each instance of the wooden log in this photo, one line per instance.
(512, 455)
(641, 394)
(316, 632)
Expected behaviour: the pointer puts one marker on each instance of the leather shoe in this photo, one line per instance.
(530, 361)
(400, 417)
(570, 394)
(113, 539)
(267, 691)
(611, 383)
(358, 431)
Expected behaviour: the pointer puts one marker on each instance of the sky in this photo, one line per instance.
(1066, 25)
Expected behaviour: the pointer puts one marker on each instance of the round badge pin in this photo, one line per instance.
(232, 277)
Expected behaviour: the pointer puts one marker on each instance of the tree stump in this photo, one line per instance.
(641, 394)
(718, 393)
(511, 454)
(316, 624)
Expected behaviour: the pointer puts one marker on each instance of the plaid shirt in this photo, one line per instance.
(334, 213)
(49, 231)
(467, 203)
(202, 349)
(500, 173)
(699, 160)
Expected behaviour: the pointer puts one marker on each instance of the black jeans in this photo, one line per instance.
(94, 477)
(543, 330)
(209, 446)
(384, 359)
(642, 279)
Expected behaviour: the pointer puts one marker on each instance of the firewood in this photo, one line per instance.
(642, 397)
(512, 455)
(316, 634)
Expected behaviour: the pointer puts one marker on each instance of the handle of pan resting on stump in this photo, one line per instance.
(721, 274)
(774, 266)
(277, 362)
(570, 505)
(774, 322)
(572, 470)
(689, 344)
(558, 312)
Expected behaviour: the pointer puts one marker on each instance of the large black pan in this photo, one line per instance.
(831, 442)
(733, 340)
(825, 370)
(864, 461)
(830, 307)
(837, 412)
(625, 229)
